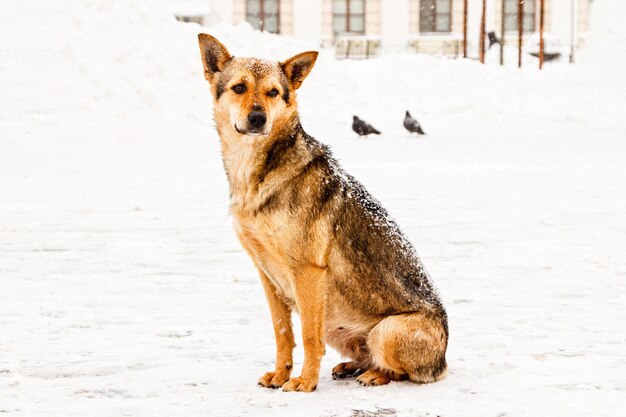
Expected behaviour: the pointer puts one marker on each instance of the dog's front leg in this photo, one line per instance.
(310, 293)
(283, 332)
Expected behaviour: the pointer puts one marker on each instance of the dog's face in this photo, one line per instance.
(252, 97)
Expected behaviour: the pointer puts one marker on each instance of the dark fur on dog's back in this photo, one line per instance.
(362, 230)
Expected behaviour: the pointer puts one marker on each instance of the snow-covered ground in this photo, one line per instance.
(123, 291)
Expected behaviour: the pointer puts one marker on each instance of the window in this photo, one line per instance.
(435, 15)
(263, 15)
(348, 16)
(510, 15)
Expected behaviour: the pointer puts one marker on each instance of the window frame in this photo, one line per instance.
(261, 15)
(346, 16)
(434, 19)
(513, 15)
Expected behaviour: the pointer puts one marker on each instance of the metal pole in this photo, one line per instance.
(520, 31)
(502, 29)
(541, 21)
(464, 28)
(572, 53)
(482, 33)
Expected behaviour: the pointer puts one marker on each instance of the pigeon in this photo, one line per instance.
(362, 128)
(493, 39)
(412, 125)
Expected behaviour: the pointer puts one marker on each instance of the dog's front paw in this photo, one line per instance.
(273, 379)
(300, 384)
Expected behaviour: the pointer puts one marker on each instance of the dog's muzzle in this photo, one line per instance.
(256, 124)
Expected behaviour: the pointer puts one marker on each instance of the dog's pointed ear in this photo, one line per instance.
(298, 67)
(214, 55)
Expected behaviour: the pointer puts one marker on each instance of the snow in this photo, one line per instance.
(189, 7)
(123, 290)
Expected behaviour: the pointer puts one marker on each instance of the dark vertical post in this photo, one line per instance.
(482, 33)
(278, 19)
(520, 31)
(464, 28)
(502, 29)
(572, 53)
(541, 22)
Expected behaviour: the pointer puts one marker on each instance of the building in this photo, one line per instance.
(367, 27)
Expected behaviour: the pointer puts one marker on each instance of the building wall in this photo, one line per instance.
(239, 11)
(307, 20)
(373, 17)
(583, 16)
(548, 17)
(313, 19)
(286, 17)
(474, 11)
(394, 21)
(327, 20)
(457, 16)
(561, 18)
(414, 16)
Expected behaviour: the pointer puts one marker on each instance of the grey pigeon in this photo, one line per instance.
(362, 128)
(493, 39)
(412, 125)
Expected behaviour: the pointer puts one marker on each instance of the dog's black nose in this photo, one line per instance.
(257, 119)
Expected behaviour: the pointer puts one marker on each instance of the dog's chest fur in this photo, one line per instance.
(265, 250)
(238, 156)
(263, 236)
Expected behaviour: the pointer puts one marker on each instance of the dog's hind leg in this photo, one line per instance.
(353, 347)
(407, 346)
(379, 377)
(347, 370)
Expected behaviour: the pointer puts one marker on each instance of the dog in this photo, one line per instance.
(323, 246)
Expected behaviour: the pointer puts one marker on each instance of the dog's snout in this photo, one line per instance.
(257, 119)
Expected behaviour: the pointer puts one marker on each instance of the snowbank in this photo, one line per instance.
(132, 61)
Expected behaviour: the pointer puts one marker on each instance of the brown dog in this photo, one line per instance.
(323, 246)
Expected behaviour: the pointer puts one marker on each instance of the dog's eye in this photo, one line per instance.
(272, 93)
(239, 88)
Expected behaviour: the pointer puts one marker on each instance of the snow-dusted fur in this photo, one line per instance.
(322, 244)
